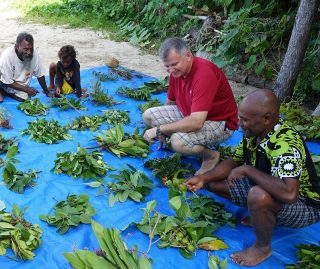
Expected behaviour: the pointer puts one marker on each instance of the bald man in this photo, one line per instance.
(271, 173)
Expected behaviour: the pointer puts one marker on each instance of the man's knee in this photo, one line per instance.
(177, 144)
(146, 117)
(258, 198)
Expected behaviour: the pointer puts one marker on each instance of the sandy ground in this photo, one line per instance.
(93, 49)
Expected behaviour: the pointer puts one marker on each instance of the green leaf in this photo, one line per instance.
(12, 151)
(94, 184)
(252, 60)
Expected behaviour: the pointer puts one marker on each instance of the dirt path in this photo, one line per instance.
(92, 48)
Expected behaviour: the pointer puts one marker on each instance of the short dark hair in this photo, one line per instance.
(67, 51)
(24, 36)
(176, 43)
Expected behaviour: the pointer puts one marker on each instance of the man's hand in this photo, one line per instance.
(151, 134)
(31, 91)
(194, 183)
(237, 173)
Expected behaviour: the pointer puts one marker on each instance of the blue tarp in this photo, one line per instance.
(51, 188)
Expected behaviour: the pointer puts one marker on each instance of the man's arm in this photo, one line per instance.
(285, 190)
(43, 84)
(29, 90)
(218, 173)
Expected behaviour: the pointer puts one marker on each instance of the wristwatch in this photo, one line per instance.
(158, 131)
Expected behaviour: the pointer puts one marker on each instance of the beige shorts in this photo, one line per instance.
(211, 134)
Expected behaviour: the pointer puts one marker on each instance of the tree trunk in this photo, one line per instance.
(296, 49)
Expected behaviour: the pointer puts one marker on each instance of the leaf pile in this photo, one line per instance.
(100, 97)
(156, 86)
(206, 209)
(139, 94)
(113, 254)
(5, 118)
(151, 103)
(71, 212)
(33, 107)
(131, 183)
(115, 141)
(5, 144)
(65, 103)
(82, 164)
(16, 233)
(48, 132)
(16, 180)
(177, 232)
(297, 118)
(111, 76)
(168, 169)
(308, 257)
(123, 72)
(116, 116)
(86, 122)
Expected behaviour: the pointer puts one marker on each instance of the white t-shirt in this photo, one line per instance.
(12, 69)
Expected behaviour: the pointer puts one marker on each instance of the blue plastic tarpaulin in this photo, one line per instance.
(51, 188)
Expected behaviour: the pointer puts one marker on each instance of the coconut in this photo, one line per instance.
(112, 62)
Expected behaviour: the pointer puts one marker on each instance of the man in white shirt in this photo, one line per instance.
(18, 64)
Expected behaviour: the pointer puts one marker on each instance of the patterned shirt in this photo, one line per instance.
(282, 154)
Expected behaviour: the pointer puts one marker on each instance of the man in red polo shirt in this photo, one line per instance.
(200, 110)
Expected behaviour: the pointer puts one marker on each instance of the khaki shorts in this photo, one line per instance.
(211, 134)
(7, 89)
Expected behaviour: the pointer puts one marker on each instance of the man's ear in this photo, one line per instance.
(268, 118)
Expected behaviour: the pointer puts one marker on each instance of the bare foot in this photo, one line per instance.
(251, 256)
(209, 162)
(246, 221)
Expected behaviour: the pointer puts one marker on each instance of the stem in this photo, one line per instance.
(151, 235)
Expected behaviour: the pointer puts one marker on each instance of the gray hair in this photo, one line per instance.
(24, 36)
(174, 43)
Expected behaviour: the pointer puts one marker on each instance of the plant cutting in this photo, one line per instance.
(99, 97)
(70, 212)
(65, 103)
(113, 253)
(5, 144)
(16, 180)
(86, 122)
(33, 107)
(82, 164)
(151, 103)
(18, 234)
(48, 132)
(117, 142)
(5, 118)
(116, 116)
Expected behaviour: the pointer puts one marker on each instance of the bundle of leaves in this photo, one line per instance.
(123, 72)
(5, 144)
(65, 103)
(111, 76)
(86, 122)
(48, 132)
(151, 103)
(156, 86)
(16, 180)
(70, 212)
(82, 164)
(297, 118)
(18, 234)
(308, 257)
(168, 169)
(131, 183)
(117, 142)
(5, 118)
(33, 107)
(213, 213)
(114, 253)
(177, 232)
(139, 94)
(116, 116)
(100, 97)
